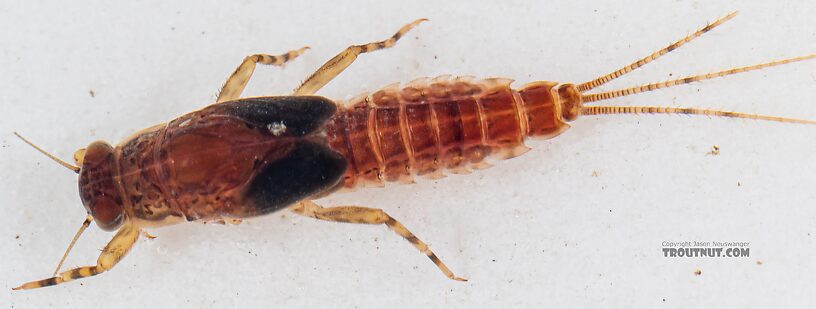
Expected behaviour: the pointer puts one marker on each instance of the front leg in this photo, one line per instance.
(237, 81)
(116, 249)
(365, 215)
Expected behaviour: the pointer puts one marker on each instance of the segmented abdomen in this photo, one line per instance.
(431, 125)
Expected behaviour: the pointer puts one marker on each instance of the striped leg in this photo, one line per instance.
(237, 81)
(336, 65)
(365, 215)
(112, 254)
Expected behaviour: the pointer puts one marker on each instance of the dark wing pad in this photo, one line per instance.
(300, 115)
(309, 168)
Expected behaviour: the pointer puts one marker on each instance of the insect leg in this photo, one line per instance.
(336, 65)
(112, 254)
(365, 215)
(237, 81)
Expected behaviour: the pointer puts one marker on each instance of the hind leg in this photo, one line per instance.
(336, 65)
(237, 81)
(365, 215)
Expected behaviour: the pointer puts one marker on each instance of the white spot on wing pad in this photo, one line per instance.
(276, 128)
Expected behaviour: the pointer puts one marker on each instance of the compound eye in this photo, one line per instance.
(107, 213)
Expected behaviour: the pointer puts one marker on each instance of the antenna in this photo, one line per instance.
(82, 228)
(63, 163)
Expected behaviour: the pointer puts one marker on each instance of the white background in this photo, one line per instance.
(538, 230)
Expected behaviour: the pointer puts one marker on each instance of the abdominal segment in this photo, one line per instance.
(429, 126)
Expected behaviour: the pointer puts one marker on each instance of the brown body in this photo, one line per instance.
(198, 166)
(167, 179)
(207, 165)
(245, 157)
(168, 175)
(453, 124)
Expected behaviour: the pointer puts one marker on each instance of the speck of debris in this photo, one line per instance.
(664, 299)
(610, 210)
(698, 272)
(494, 260)
(17, 237)
(759, 262)
(92, 93)
(595, 173)
(739, 184)
(715, 150)
(435, 57)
